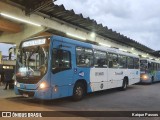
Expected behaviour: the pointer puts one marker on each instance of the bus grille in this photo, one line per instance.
(28, 80)
(29, 93)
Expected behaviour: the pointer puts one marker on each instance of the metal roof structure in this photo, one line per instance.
(47, 7)
(156, 53)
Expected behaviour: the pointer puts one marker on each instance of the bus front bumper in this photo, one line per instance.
(44, 94)
(145, 81)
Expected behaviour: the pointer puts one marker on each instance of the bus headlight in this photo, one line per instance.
(145, 77)
(43, 85)
(15, 83)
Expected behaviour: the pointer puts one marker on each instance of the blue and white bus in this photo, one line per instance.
(150, 71)
(56, 67)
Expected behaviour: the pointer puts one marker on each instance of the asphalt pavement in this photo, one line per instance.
(135, 98)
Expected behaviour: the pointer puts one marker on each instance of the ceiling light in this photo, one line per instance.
(144, 56)
(105, 45)
(19, 19)
(93, 35)
(123, 50)
(135, 53)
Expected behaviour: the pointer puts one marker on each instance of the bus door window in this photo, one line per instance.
(61, 60)
(84, 57)
(100, 59)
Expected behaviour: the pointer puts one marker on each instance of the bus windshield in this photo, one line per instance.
(32, 61)
(143, 65)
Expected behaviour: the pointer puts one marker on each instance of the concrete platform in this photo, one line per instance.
(6, 93)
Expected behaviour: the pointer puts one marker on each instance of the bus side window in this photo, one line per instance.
(130, 63)
(149, 65)
(113, 60)
(100, 59)
(84, 57)
(158, 67)
(61, 60)
(122, 60)
(155, 66)
(110, 64)
(88, 57)
(152, 66)
(136, 63)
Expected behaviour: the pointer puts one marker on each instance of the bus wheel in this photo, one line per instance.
(124, 85)
(78, 91)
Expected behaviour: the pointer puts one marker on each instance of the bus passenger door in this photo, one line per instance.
(62, 69)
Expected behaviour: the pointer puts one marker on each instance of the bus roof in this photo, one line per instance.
(89, 45)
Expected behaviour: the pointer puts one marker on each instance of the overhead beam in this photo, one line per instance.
(44, 34)
(53, 23)
(58, 25)
(8, 26)
(27, 32)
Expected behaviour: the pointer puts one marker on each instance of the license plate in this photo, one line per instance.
(25, 95)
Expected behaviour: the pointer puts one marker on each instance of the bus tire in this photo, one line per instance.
(124, 85)
(78, 91)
